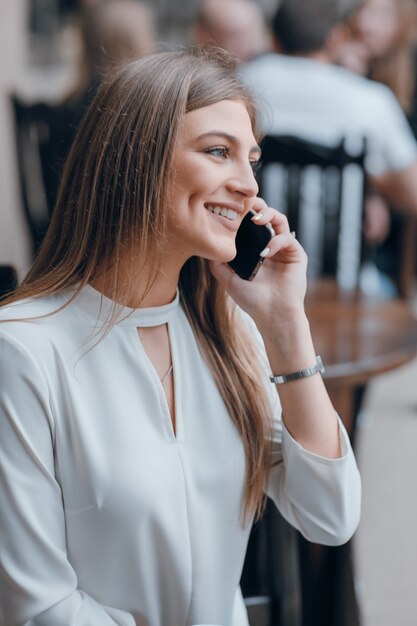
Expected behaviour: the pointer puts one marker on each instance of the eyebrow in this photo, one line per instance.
(232, 138)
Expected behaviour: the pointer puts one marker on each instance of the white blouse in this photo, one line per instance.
(106, 515)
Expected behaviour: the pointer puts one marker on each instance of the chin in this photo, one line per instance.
(219, 258)
(221, 253)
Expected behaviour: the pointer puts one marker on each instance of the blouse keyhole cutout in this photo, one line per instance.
(155, 342)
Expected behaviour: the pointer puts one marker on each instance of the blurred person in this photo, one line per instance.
(237, 26)
(112, 33)
(383, 48)
(306, 95)
(387, 30)
(139, 429)
(352, 53)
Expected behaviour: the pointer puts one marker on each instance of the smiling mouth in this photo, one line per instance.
(218, 210)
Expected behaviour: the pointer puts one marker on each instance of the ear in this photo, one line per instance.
(338, 36)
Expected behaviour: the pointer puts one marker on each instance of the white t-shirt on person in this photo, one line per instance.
(323, 103)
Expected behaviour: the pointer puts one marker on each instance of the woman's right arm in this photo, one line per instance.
(38, 585)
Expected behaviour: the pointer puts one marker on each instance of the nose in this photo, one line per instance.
(243, 181)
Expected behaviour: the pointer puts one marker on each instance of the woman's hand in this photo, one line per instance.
(278, 289)
(275, 301)
(377, 219)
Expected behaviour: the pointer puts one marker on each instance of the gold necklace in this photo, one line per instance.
(171, 367)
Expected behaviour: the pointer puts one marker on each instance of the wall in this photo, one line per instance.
(14, 241)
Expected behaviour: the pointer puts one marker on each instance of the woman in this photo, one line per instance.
(387, 31)
(139, 428)
(383, 47)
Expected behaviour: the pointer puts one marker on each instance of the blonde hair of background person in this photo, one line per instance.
(101, 523)
(388, 31)
(383, 48)
(112, 33)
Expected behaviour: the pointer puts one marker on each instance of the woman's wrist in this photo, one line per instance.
(292, 325)
(289, 344)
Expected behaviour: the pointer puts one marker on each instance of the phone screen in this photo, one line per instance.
(251, 239)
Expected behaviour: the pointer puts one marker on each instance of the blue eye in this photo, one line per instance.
(219, 151)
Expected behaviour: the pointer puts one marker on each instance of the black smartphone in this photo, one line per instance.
(251, 239)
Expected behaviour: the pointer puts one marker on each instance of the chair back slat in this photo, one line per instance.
(32, 138)
(350, 231)
(44, 133)
(321, 189)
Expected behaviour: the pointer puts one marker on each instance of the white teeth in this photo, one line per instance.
(229, 213)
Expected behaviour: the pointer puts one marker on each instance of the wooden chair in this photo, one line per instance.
(271, 578)
(407, 266)
(32, 133)
(321, 190)
(44, 134)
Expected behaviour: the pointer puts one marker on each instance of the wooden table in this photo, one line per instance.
(358, 337)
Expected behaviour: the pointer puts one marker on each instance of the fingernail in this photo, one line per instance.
(256, 217)
(264, 252)
(293, 234)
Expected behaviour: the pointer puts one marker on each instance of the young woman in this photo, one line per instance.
(139, 430)
(387, 30)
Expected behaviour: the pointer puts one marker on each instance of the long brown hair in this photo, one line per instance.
(396, 68)
(113, 198)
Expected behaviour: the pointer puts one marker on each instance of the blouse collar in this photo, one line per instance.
(100, 307)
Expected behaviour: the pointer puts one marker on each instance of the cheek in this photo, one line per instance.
(185, 207)
(385, 41)
(189, 180)
(197, 185)
(392, 33)
(382, 26)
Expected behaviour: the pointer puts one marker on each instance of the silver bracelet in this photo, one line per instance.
(305, 373)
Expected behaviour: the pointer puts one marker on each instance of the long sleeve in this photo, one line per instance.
(38, 586)
(321, 497)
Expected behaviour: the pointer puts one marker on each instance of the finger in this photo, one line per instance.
(269, 215)
(284, 242)
(258, 204)
(278, 221)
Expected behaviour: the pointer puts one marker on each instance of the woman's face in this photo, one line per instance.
(378, 24)
(213, 163)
